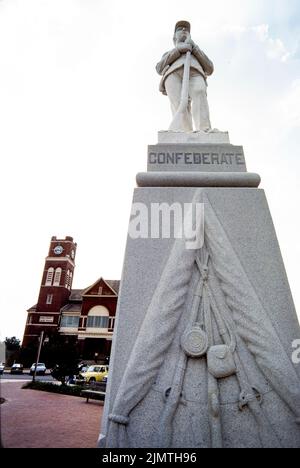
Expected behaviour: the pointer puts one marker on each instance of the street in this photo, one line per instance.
(8, 377)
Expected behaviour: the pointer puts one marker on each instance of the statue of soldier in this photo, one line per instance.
(171, 67)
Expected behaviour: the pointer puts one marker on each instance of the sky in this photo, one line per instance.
(79, 103)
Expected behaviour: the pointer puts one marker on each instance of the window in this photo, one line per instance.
(98, 317)
(67, 279)
(97, 322)
(29, 320)
(69, 321)
(70, 279)
(100, 290)
(57, 277)
(111, 322)
(49, 276)
(49, 298)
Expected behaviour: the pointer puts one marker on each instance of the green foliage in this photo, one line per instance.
(12, 344)
(27, 356)
(54, 388)
(57, 350)
(60, 353)
(12, 348)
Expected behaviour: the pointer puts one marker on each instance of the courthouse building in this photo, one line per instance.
(86, 316)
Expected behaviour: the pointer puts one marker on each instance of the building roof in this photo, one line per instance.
(76, 295)
(75, 307)
(75, 298)
(115, 284)
(102, 287)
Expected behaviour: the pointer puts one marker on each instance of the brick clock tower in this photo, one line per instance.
(55, 289)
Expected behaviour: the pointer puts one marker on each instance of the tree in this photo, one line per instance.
(61, 354)
(27, 355)
(12, 346)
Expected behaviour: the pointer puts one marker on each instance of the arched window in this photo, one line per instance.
(70, 279)
(98, 318)
(57, 277)
(67, 279)
(49, 277)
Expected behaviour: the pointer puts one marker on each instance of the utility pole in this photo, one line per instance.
(38, 354)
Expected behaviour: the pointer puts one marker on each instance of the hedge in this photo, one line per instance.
(54, 388)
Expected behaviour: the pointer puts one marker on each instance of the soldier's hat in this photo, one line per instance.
(184, 24)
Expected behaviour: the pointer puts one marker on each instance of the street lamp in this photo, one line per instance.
(41, 340)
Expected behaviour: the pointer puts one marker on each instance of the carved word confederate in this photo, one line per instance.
(196, 158)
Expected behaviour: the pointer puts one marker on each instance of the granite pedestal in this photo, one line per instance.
(246, 282)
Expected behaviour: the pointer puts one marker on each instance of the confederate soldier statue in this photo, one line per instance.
(184, 71)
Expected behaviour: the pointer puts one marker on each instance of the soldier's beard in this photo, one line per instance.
(182, 38)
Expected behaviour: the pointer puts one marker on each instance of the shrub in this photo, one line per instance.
(54, 388)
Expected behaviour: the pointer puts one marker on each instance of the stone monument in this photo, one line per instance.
(202, 348)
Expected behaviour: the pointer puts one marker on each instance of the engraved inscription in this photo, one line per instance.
(175, 158)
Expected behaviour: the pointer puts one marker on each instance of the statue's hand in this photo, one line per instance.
(184, 47)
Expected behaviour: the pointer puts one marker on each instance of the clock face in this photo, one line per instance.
(58, 250)
(72, 253)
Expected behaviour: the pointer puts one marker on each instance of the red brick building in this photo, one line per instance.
(87, 315)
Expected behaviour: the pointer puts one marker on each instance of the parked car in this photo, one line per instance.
(40, 369)
(16, 369)
(104, 380)
(2, 367)
(94, 373)
(82, 367)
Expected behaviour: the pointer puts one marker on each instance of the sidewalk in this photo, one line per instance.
(31, 418)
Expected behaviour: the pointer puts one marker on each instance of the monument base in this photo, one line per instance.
(211, 137)
(197, 179)
(248, 280)
(192, 157)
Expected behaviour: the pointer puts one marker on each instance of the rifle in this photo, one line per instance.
(212, 383)
(178, 119)
(173, 395)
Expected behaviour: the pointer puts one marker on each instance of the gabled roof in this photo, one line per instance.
(76, 295)
(114, 284)
(101, 287)
(109, 288)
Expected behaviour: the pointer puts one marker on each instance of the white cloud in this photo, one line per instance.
(274, 47)
(296, 53)
(80, 102)
(290, 105)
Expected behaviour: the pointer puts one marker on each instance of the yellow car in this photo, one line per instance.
(95, 373)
